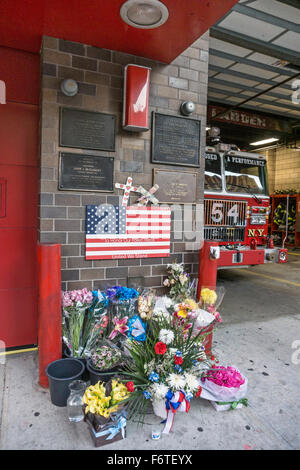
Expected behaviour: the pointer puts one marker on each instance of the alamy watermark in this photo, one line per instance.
(296, 93)
(295, 358)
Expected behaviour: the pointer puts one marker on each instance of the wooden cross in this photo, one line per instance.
(127, 189)
(147, 196)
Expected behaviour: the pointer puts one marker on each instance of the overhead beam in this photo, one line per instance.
(254, 44)
(253, 98)
(266, 17)
(252, 63)
(245, 87)
(247, 76)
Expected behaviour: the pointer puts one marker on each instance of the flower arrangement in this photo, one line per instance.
(167, 366)
(103, 400)
(225, 377)
(76, 326)
(179, 282)
(122, 300)
(105, 357)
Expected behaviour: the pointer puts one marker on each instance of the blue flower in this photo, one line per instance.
(178, 368)
(178, 353)
(154, 377)
(146, 394)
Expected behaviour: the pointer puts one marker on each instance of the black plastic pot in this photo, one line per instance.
(85, 375)
(102, 376)
(60, 374)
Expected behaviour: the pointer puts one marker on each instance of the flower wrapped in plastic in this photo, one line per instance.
(225, 386)
(76, 323)
(122, 300)
(179, 282)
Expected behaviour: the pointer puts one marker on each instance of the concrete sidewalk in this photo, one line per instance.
(261, 321)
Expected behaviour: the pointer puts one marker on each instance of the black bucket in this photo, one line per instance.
(61, 373)
(97, 375)
(85, 375)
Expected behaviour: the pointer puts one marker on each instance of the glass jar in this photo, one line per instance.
(74, 402)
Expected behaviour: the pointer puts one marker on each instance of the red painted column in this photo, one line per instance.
(49, 307)
(207, 277)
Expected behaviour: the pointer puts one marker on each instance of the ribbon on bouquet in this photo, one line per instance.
(118, 424)
(177, 401)
(234, 404)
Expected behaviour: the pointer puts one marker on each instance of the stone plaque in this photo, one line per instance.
(87, 130)
(176, 187)
(175, 140)
(79, 172)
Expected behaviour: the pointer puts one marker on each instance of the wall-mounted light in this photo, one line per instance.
(145, 14)
(69, 87)
(266, 141)
(187, 108)
(2, 92)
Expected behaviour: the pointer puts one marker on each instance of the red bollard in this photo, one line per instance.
(49, 308)
(207, 277)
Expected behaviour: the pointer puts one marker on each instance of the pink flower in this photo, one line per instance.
(226, 377)
(120, 327)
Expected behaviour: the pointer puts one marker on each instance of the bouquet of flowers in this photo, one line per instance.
(74, 319)
(225, 387)
(106, 357)
(123, 300)
(179, 282)
(164, 369)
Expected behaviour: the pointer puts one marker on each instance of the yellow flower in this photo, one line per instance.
(182, 313)
(192, 304)
(208, 296)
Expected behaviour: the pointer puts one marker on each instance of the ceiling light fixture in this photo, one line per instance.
(145, 14)
(266, 141)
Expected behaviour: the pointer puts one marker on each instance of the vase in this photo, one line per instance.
(159, 408)
(74, 402)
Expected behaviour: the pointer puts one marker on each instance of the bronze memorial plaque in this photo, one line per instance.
(87, 130)
(175, 140)
(79, 172)
(176, 187)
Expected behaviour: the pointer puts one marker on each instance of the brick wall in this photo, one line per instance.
(283, 168)
(99, 73)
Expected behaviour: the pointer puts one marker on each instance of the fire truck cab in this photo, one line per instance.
(237, 208)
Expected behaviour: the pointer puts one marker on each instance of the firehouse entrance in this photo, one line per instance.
(18, 203)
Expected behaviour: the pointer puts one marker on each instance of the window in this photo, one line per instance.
(245, 175)
(213, 175)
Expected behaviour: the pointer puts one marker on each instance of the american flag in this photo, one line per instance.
(115, 232)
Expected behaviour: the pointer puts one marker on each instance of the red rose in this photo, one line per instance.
(130, 386)
(160, 348)
(178, 360)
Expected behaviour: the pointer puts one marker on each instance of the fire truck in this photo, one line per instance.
(237, 208)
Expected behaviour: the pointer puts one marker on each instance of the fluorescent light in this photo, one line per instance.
(266, 141)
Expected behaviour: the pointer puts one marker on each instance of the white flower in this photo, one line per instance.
(166, 336)
(192, 381)
(159, 391)
(160, 312)
(176, 381)
(167, 301)
(166, 283)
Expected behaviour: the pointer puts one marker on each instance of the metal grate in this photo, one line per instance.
(224, 234)
(221, 213)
